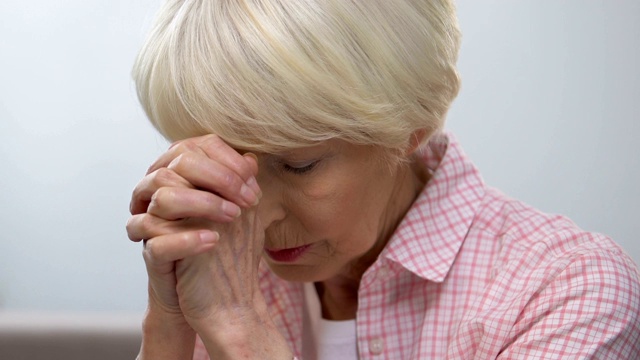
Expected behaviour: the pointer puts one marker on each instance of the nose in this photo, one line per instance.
(271, 207)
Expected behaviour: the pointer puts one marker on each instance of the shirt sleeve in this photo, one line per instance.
(591, 310)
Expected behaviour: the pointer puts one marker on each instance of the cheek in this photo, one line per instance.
(335, 208)
(319, 190)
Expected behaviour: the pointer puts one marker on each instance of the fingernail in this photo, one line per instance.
(252, 155)
(208, 237)
(248, 195)
(230, 209)
(253, 184)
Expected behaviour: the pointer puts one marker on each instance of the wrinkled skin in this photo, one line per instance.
(195, 211)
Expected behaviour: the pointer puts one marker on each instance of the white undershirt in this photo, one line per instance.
(326, 339)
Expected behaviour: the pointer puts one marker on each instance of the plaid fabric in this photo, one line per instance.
(473, 274)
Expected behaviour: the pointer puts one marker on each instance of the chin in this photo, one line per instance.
(299, 273)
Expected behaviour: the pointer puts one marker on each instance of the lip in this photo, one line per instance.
(287, 255)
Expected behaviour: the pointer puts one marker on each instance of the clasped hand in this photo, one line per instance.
(195, 211)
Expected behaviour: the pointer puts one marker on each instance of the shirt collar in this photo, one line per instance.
(430, 235)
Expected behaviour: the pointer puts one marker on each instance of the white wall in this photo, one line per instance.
(549, 111)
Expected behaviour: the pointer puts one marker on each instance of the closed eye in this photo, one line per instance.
(299, 169)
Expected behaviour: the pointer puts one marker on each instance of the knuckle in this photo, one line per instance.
(229, 180)
(161, 197)
(152, 167)
(211, 200)
(150, 252)
(132, 206)
(146, 224)
(213, 204)
(157, 252)
(130, 227)
(243, 169)
(154, 202)
(184, 240)
(214, 145)
(212, 140)
(182, 162)
(161, 177)
(185, 145)
(136, 193)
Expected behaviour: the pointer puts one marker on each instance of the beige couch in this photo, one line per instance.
(69, 336)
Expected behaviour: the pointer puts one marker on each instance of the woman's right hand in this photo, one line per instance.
(203, 179)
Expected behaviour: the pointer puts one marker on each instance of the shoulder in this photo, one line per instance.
(556, 284)
(532, 244)
(532, 236)
(586, 304)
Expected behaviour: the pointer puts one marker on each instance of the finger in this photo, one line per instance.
(147, 226)
(164, 249)
(177, 148)
(216, 148)
(252, 160)
(173, 203)
(145, 189)
(214, 176)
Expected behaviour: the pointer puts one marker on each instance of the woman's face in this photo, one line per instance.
(330, 209)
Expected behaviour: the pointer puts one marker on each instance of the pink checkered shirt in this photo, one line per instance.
(473, 274)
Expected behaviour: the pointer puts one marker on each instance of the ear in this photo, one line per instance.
(415, 140)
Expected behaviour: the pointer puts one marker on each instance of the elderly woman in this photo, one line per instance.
(311, 205)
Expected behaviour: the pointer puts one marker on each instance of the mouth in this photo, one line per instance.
(287, 255)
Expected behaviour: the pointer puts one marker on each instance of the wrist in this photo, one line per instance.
(244, 336)
(166, 336)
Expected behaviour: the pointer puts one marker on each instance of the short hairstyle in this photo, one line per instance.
(271, 75)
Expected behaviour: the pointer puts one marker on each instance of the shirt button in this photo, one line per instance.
(375, 346)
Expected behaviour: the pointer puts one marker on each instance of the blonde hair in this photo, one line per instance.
(270, 75)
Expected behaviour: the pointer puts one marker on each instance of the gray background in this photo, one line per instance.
(548, 111)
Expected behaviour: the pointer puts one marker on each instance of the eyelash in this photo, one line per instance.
(299, 170)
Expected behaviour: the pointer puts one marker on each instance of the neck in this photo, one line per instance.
(338, 298)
